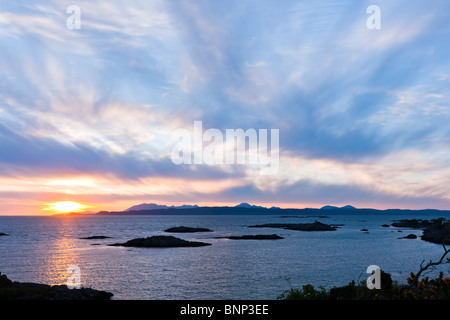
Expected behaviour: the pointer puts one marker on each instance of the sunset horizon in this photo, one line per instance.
(68, 207)
(48, 208)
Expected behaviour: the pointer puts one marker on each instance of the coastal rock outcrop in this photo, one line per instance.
(434, 230)
(437, 233)
(417, 223)
(10, 290)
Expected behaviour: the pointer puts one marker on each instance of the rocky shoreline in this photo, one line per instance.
(418, 223)
(11, 290)
(437, 234)
(434, 230)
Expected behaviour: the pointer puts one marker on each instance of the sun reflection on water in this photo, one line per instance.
(60, 257)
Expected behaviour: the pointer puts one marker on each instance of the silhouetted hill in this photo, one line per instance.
(246, 205)
(347, 207)
(154, 206)
(257, 210)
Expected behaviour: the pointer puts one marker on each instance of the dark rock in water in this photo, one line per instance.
(3, 234)
(160, 242)
(385, 226)
(409, 236)
(253, 237)
(95, 237)
(183, 229)
(315, 226)
(365, 230)
(437, 233)
(418, 223)
(10, 290)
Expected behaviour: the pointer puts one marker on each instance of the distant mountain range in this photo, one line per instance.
(250, 206)
(154, 206)
(248, 209)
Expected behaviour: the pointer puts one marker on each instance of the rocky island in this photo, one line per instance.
(160, 242)
(95, 237)
(253, 237)
(314, 226)
(183, 229)
(409, 236)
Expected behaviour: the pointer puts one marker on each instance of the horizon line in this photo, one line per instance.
(254, 207)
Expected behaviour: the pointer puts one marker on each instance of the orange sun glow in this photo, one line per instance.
(65, 206)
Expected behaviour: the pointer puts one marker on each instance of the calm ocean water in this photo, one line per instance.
(39, 249)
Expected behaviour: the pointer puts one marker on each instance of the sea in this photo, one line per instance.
(40, 249)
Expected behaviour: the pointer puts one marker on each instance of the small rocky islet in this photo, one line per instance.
(314, 226)
(409, 236)
(253, 237)
(183, 229)
(160, 242)
(95, 237)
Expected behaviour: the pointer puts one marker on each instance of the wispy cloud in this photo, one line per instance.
(363, 114)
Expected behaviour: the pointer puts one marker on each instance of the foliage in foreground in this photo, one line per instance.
(426, 289)
(417, 288)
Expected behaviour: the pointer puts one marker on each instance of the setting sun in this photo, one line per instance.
(65, 206)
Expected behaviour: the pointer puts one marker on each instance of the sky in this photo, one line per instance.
(89, 102)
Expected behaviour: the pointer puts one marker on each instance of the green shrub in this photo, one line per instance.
(307, 292)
